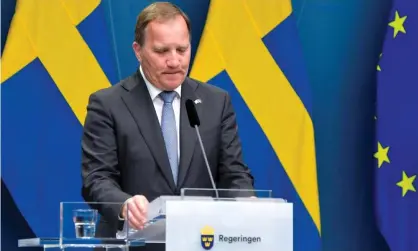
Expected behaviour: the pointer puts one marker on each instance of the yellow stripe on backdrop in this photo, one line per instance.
(48, 31)
(232, 41)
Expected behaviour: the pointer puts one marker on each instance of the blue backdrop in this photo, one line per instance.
(341, 41)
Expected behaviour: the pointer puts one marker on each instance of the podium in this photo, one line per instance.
(198, 219)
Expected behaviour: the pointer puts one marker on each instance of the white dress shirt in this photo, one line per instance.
(158, 105)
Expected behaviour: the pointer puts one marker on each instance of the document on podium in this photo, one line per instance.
(154, 228)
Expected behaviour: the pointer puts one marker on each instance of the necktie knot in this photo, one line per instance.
(168, 96)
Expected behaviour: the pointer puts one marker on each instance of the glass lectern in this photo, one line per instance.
(197, 219)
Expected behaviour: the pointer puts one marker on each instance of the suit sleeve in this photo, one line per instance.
(100, 170)
(233, 173)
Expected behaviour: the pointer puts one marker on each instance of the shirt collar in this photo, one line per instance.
(153, 90)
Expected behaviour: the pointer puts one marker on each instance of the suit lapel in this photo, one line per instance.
(140, 105)
(188, 138)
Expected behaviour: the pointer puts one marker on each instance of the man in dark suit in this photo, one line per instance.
(138, 144)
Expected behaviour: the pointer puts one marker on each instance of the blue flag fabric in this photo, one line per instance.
(252, 50)
(397, 130)
(57, 54)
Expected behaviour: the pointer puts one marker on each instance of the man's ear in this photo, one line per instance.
(137, 48)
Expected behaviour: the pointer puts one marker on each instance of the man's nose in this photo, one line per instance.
(173, 61)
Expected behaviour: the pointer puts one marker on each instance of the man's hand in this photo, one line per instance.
(136, 208)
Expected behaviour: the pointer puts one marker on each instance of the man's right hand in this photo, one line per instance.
(136, 208)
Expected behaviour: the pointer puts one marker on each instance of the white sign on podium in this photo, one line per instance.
(197, 220)
(242, 225)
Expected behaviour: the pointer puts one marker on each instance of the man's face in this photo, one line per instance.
(165, 54)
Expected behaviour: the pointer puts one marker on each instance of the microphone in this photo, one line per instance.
(195, 122)
(192, 114)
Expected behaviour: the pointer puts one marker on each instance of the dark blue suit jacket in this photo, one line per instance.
(123, 151)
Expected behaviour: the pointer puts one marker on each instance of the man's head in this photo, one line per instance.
(162, 44)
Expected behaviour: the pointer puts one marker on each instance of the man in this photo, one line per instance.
(138, 143)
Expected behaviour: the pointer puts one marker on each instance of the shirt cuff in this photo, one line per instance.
(120, 211)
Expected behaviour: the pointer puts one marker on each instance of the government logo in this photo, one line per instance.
(207, 237)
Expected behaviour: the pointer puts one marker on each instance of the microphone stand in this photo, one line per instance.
(206, 161)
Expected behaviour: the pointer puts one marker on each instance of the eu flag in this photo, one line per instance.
(397, 130)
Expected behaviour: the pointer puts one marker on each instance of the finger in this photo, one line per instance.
(141, 205)
(140, 209)
(134, 223)
(134, 212)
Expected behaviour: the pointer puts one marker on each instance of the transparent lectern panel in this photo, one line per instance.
(224, 194)
(154, 228)
(79, 223)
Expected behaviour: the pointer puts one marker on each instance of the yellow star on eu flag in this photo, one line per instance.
(382, 154)
(397, 24)
(406, 183)
(378, 66)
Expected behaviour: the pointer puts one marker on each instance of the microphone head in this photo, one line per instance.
(192, 113)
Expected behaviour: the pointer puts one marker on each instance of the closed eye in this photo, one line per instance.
(160, 50)
(182, 49)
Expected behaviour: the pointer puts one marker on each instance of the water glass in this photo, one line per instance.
(85, 222)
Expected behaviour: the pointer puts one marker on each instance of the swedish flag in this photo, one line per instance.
(397, 130)
(55, 56)
(251, 49)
